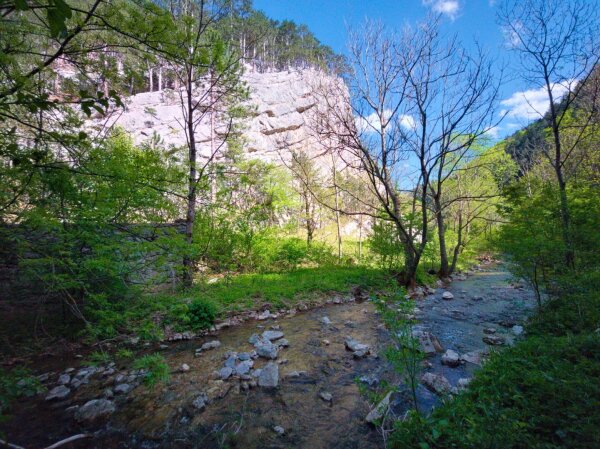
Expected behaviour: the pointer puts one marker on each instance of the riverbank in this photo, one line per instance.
(308, 387)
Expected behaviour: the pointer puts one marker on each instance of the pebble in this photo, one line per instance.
(60, 392)
(272, 335)
(225, 372)
(326, 396)
(269, 376)
(123, 388)
(64, 379)
(451, 358)
(94, 409)
(278, 430)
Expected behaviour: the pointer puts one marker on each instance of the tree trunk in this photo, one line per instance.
(309, 220)
(337, 212)
(457, 248)
(360, 226)
(565, 214)
(444, 265)
(188, 262)
(213, 175)
(408, 276)
(151, 79)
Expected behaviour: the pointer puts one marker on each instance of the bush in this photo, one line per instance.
(201, 314)
(14, 384)
(156, 368)
(543, 393)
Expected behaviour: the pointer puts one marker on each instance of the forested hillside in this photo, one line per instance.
(217, 232)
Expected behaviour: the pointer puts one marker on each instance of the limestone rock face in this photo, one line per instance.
(280, 105)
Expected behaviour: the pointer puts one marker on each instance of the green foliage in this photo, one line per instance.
(404, 352)
(282, 289)
(124, 353)
(201, 314)
(540, 394)
(84, 231)
(15, 384)
(155, 366)
(98, 358)
(385, 244)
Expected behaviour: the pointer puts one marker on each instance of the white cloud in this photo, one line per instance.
(371, 123)
(449, 8)
(532, 104)
(407, 122)
(493, 132)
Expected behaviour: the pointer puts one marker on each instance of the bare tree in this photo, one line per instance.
(556, 41)
(209, 75)
(453, 95)
(417, 102)
(308, 181)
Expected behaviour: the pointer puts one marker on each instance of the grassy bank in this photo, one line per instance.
(542, 393)
(196, 307)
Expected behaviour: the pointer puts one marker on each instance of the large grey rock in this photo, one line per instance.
(447, 296)
(326, 396)
(268, 350)
(94, 409)
(230, 361)
(379, 410)
(451, 358)
(494, 340)
(243, 368)
(64, 379)
(325, 320)
(123, 388)
(283, 106)
(269, 376)
(436, 383)
(272, 335)
(58, 393)
(209, 345)
(354, 346)
(474, 357)
(225, 372)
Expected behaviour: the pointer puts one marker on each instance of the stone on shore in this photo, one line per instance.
(94, 409)
(451, 358)
(269, 376)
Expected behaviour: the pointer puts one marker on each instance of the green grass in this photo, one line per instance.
(149, 314)
(156, 367)
(251, 291)
(542, 393)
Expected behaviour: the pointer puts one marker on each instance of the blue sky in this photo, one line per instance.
(472, 20)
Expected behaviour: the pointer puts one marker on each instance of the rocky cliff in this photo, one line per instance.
(280, 102)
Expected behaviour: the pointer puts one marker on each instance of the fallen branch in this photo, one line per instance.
(11, 446)
(68, 440)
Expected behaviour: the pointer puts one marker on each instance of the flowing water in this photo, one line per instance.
(243, 416)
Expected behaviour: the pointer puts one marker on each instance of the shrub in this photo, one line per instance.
(156, 368)
(543, 393)
(201, 314)
(98, 358)
(15, 384)
(291, 253)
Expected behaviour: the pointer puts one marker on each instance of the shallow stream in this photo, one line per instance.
(241, 414)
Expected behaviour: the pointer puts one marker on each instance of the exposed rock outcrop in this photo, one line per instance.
(280, 105)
